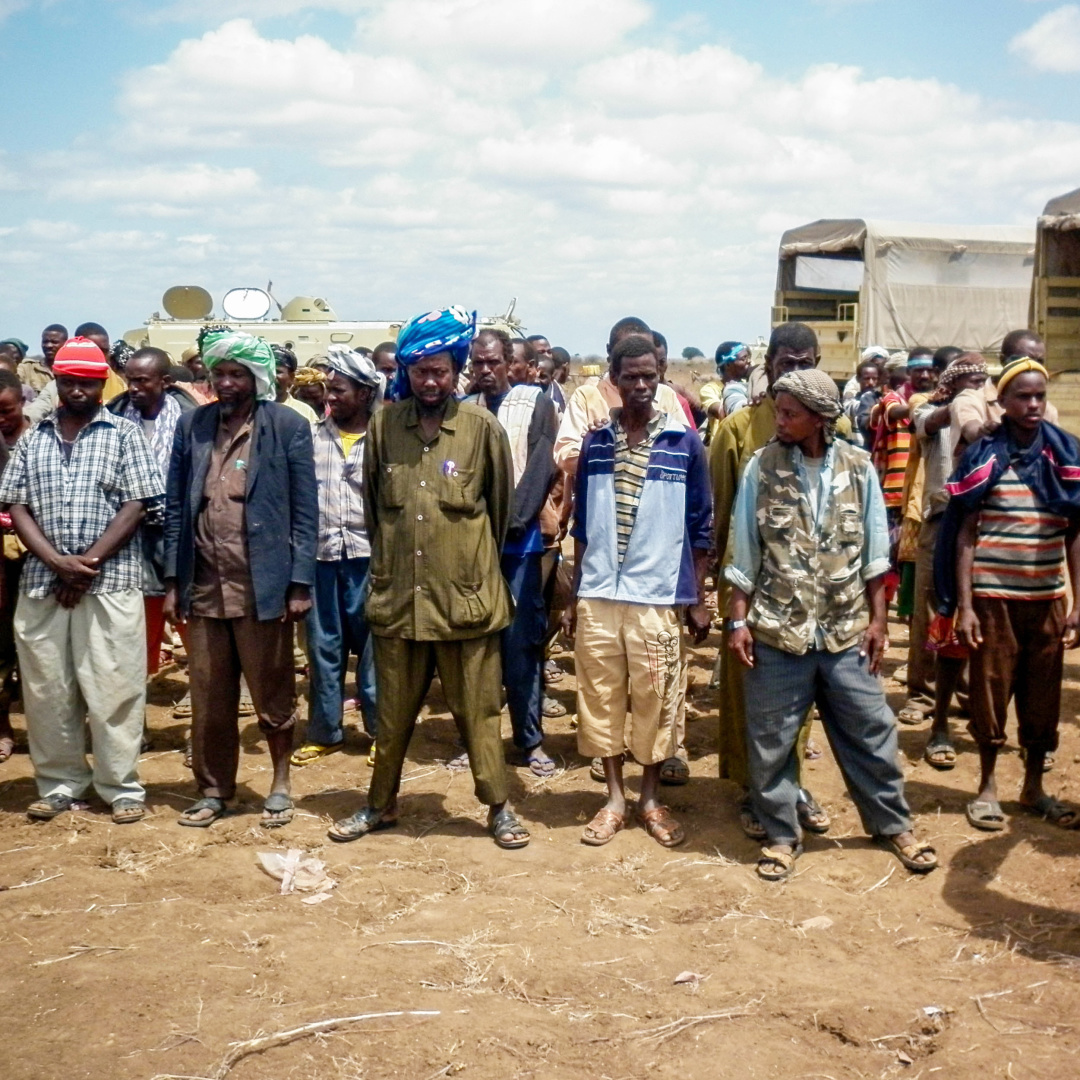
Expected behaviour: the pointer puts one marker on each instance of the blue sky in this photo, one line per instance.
(592, 157)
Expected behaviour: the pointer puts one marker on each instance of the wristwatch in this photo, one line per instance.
(735, 624)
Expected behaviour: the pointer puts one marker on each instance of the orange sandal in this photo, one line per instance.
(662, 827)
(603, 827)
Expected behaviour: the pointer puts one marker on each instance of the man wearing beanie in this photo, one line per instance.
(78, 485)
(808, 622)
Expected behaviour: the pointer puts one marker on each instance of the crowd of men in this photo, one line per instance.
(413, 507)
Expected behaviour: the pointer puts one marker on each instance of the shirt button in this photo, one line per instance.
(417, 588)
(426, 449)
(423, 483)
(419, 553)
(419, 517)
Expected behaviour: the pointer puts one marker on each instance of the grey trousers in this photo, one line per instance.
(861, 729)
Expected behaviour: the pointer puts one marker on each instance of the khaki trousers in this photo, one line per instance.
(471, 675)
(628, 656)
(84, 666)
(921, 662)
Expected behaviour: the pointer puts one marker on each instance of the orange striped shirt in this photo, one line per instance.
(1020, 550)
(892, 447)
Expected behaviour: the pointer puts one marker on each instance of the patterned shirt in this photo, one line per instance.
(631, 465)
(73, 502)
(1020, 550)
(340, 477)
(892, 445)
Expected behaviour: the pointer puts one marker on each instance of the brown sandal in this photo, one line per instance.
(661, 826)
(603, 827)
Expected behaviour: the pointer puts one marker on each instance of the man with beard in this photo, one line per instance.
(240, 529)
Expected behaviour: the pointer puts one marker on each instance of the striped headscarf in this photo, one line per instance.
(969, 363)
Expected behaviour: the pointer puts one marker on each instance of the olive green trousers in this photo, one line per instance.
(471, 675)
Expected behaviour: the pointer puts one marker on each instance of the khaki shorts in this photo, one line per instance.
(628, 657)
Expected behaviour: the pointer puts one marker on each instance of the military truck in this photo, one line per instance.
(860, 283)
(306, 324)
(1055, 301)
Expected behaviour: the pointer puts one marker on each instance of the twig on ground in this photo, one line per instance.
(684, 1023)
(878, 884)
(244, 1049)
(27, 884)
(82, 950)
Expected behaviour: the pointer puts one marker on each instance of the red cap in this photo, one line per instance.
(80, 357)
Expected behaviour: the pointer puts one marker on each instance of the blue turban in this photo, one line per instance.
(723, 359)
(448, 330)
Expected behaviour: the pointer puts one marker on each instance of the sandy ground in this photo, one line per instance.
(150, 950)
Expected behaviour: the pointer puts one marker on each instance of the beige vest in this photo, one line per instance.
(810, 575)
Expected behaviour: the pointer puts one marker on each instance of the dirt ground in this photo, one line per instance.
(150, 950)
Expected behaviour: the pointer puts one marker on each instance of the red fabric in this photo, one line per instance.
(81, 358)
(154, 607)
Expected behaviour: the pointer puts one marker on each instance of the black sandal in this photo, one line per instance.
(209, 803)
(505, 823)
(45, 809)
(277, 802)
(366, 820)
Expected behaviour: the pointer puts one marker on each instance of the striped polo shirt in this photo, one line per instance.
(631, 466)
(1020, 551)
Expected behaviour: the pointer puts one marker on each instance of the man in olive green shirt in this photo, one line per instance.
(438, 490)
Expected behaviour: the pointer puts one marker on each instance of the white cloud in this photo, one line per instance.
(1052, 43)
(471, 150)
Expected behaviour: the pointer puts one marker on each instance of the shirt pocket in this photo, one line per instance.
(393, 487)
(778, 520)
(379, 608)
(470, 605)
(850, 528)
(457, 491)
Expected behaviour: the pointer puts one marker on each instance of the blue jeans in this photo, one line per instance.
(777, 691)
(336, 626)
(523, 648)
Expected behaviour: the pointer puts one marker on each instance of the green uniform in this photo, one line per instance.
(437, 514)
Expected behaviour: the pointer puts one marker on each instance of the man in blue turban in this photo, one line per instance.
(438, 493)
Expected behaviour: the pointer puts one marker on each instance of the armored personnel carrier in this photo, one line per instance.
(306, 324)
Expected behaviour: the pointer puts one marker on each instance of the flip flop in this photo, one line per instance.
(371, 754)
(1048, 760)
(188, 752)
(811, 816)
(459, 762)
(128, 811)
(661, 826)
(985, 814)
(505, 824)
(539, 763)
(366, 820)
(552, 672)
(812, 751)
(940, 753)
(280, 805)
(1054, 811)
(182, 709)
(7, 748)
(309, 752)
(785, 860)
(911, 715)
(748, 822)
(908, 854)
(552, 708)
(45, 809)
(217, 806)
(603, 827)
(674, 772)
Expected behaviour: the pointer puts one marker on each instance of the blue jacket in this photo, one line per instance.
(673, 517)
(282, 512)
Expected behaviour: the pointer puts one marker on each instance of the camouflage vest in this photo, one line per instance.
(809, 576)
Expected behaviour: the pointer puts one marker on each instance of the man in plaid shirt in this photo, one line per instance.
(78, 485)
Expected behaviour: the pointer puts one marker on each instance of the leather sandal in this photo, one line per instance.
(366, 820)
(603, 827)
(216, 806)
(661, 826)
(128, 811)
(776, 865)
(505, 824)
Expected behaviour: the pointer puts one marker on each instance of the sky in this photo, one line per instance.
(593, 158)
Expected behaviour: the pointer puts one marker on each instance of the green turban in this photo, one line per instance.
(241, 348)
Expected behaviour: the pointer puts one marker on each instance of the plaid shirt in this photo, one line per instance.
(342, 534)
(73, 503)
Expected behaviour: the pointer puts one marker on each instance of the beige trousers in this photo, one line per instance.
(628, 657)
(84, 666)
